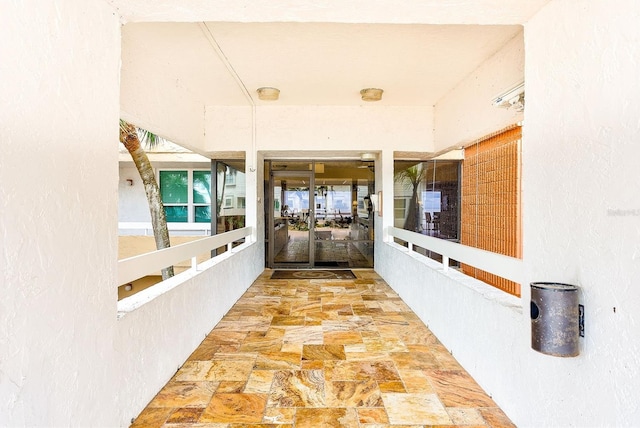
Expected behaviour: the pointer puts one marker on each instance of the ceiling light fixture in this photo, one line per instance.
(371, 94)
(268, 94)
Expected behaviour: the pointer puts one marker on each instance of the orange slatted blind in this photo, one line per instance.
(490, 208)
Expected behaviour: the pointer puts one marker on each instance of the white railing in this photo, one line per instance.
(146, 229)
(504, 266)
(135, 267)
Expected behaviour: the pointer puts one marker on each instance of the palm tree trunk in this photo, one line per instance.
(411, 223)
(129, 137)
(224, 185)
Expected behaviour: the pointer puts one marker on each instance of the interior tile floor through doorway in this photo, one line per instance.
(321, 353)
(337, 247)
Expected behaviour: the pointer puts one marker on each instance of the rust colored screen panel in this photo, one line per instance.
(490, 211)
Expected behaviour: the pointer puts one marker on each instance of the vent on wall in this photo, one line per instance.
(511, 99)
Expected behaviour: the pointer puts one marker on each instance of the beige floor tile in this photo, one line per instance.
(321, 353)
(410, 408)
(278, 361)
(496, 418)
(259, 382)
(279, 415)
(297, 388)
(457, 389)
(416, 381)
(152, 417)
(194, 371)
(376, 415)
(184, 394)
(361, 370)
(308, 335)
(364, 393)
(465, 416)
(326, 418)
(235, 408)
(230, 370)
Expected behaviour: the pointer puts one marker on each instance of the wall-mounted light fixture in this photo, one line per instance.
(513, 98)
(268, 93)
(371, 94)
(130, 181)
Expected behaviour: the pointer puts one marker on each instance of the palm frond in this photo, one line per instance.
(147, 138)
(412, 175)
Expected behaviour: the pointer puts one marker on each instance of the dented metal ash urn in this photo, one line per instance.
(554, 319)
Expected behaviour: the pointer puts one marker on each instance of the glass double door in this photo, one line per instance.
(321, 217)
(293, 219)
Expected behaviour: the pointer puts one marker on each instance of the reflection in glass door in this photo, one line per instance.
(292, 216)
(321, 214)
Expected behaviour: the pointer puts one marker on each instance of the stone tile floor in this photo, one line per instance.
(321, 353)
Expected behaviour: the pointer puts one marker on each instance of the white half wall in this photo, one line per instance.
(466, 113)
(479, 324)
(154, 340)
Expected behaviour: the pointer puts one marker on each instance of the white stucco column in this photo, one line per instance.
(59, 85)
(384, 182)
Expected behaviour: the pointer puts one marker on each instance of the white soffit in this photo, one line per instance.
(502, 12)
(311, 63)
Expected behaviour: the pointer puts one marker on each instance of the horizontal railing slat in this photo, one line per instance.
(135, 267)
(171, 226)
(497, 264)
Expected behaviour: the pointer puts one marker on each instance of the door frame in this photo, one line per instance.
(273, 175)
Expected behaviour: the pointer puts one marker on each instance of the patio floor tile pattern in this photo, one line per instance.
(321, 354)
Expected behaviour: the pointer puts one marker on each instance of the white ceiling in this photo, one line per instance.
(485, 12)
(317, 52)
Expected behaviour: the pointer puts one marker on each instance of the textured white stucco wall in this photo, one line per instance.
(63, 354)
(228, 128)
(148, 96)
(132, 199)
(581, 225)
(580, 165)
(59, 86)
(344, 127)
(299, 128)
(65, 358)
(466, 113)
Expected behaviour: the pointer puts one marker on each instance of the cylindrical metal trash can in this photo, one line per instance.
(554, 319)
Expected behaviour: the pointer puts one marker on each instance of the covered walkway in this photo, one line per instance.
(321, 353)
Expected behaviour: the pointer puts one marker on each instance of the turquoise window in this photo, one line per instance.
(201, 187)
(203, 214)
(174, 187)
(177, 213)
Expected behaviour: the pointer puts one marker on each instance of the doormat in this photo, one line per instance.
(312, 274)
